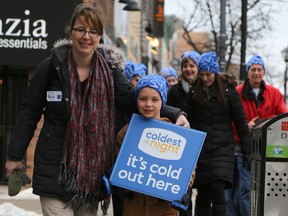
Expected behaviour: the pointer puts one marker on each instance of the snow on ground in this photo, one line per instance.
(8, 209)
(23, 194)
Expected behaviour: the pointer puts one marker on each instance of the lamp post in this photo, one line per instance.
(284, 53)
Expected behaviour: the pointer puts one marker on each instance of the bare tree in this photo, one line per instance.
(206, 15)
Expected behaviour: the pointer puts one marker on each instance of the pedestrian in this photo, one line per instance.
(76, 89)
(151, 96)
(212, 106)
(178, 93)
(189, 72)
(170, 75)
(134, 72)
(260, 101)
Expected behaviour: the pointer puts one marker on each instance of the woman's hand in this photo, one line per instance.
(182, 121)
(13, 165)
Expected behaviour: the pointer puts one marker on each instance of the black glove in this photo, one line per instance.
(16, 180)
(108, 185)
(247, 161)
(183, 204)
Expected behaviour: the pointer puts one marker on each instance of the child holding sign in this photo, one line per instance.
(151, 96)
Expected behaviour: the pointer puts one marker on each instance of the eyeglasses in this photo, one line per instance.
(81, 32)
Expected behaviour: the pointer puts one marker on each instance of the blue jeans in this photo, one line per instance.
(238, 197)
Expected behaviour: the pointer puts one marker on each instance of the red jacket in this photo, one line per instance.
(271, 102)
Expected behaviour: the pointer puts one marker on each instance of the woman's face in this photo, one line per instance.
(189, 70)
(207, 78)
(172, 80)
(85, 38)
(149, 103)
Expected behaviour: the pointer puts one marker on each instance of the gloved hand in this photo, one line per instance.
(247, 161)
(15, 181)
(107, 184)
(182, 204)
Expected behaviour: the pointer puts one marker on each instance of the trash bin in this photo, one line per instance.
(269, 167)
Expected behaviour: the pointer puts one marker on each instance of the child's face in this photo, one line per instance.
(149, 103)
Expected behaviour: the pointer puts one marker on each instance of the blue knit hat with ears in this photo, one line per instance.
(193, 55)
(209, 62)
(256, 59)
(167, 72)
(156, 82)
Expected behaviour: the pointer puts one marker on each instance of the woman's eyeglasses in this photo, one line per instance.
(81, 32)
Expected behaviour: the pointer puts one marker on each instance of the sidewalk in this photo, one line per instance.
(27, 201)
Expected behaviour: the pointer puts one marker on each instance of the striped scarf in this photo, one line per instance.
(88, 148)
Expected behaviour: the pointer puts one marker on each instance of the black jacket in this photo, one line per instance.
(216, 160)
(52, 75)
(176, 96)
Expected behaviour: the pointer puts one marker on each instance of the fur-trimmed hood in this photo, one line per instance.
(114, 56)
(230, 78)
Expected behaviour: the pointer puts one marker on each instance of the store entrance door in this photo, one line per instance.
(13, 83)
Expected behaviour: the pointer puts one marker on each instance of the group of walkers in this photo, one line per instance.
(87, 92)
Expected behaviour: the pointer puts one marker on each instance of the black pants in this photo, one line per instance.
(118, 197)
(212, 193)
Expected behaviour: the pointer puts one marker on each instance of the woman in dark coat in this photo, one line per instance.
(189, 71)
(213, 105)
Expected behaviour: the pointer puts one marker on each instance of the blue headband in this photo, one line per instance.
(156, 82)
(209, 62)
(256, 59)
(167, 72)
(195, 56)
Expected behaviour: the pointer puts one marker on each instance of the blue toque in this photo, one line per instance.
(139, 69)
(195, 56)
(129, 68)
(256, 59)
(167, 72)
(156, 82)
(209, 62)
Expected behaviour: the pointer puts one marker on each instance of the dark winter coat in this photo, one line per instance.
(176, 96)
(52, 75)
(216, 160)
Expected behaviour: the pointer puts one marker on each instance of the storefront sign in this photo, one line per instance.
(29, 28)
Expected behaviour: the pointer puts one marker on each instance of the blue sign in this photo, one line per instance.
(157, 158)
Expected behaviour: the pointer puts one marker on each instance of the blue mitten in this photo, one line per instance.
(107, 184)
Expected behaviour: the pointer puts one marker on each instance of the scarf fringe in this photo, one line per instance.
(89, 202)
(81, 199)
(104, 206)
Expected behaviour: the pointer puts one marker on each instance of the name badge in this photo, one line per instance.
(54, 96)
